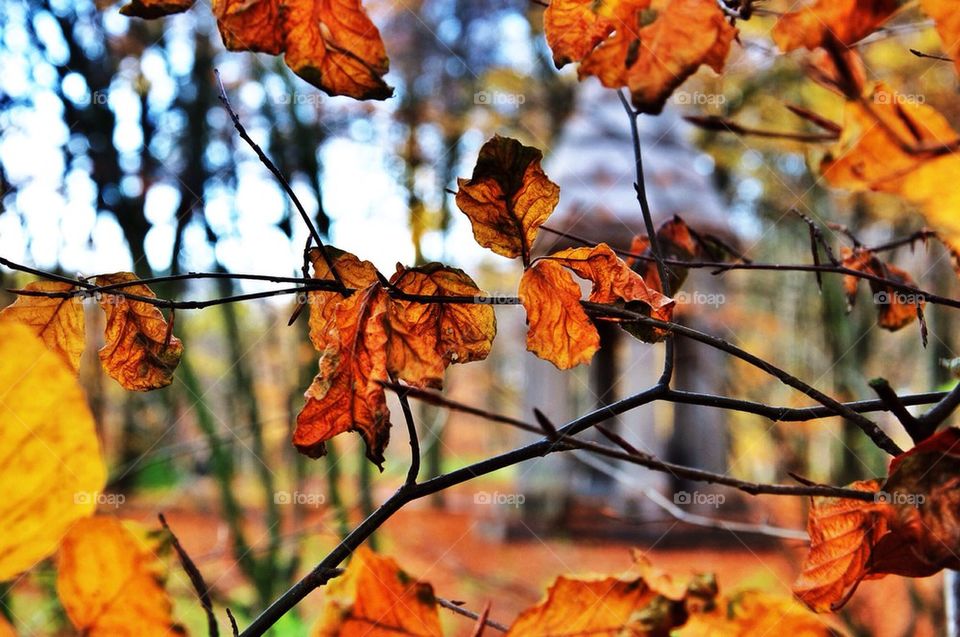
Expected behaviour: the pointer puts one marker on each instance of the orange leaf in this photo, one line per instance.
(58, 321)
(843, 533)
(427, 337)
(676, 242)
(756, 613)
(843, 21)
(140, 352)
(871, 156)
(6, 630)
(346, 395)
(375, 598)
(649, 46)
(559, 329)
(354, 273)
(150, 9)
(332, 44)
(109, 581)
(895, 309)
(508, 197)
(50, 464)
(947, 19)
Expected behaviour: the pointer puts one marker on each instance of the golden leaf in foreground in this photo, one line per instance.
(50, 463)
(140, 351)
(375, 598)
(58, 321)
(753, 613)
(6, 630)
(648, 46)
(110, 581)
(425, 338)
(346, 395)
(332, 44)
(150, 9)
(843, 21)
(508, 197)
(947, 19)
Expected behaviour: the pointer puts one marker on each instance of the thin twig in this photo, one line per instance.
(457, 607)
(266, 161)
(723, 125)
(917, 430)
(414, 471)
(196, 578)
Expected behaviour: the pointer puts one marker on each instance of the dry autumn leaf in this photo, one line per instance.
(895, 309)
(843, 21)
(6, 630)
(947, 20)
(843, 533)
(355, 274)
(508, 197)
(58, 321)
(346, 394)
(151, 9)
(677, 243)
(375, 598)
(559, 329)
(140, 353)
(109, 581)
(332, 44)
(649, 46)
(425, 338)
(50, 463)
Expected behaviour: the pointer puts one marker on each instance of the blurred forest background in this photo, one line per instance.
(115, 154)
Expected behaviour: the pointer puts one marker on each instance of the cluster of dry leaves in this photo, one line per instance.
(412, 326)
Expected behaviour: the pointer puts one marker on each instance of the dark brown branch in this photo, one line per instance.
(941, 411)
(917, 430)
(930, 56)
(196, 578)
(723, 125)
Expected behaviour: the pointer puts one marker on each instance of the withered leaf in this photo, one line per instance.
(508, 197)
(427, 337)
(346, 394)
(332, 44)
(109, 581)
(140, 353)
(842, 21)
(375, 598)
(58, 321)
(649, 46)
(559, 330)
(51, 469)
(895, 309)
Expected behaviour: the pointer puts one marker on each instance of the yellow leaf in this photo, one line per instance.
(374, 598)
(757, 613)
(140, 352)
(150, 9)
(947, 19)
(508, 197)
(427, 337)
(843, 21)
(58, 321)
(110, 581)
(50, 463)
